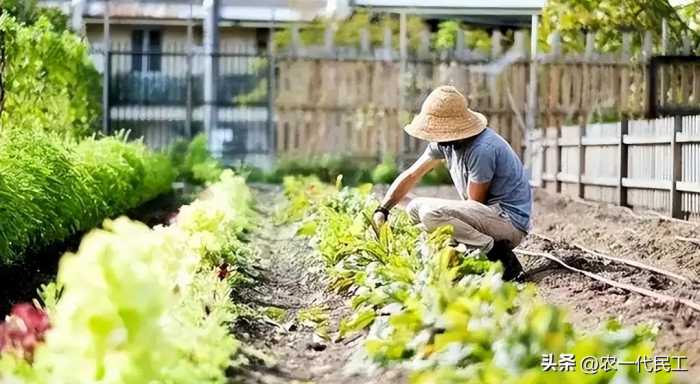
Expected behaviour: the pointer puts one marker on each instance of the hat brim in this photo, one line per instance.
(440, 129)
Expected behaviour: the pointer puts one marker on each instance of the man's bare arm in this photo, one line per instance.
(478, 191)
(407, 180)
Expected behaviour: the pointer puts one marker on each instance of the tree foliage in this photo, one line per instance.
(28, 12)
(348, 31)
(609, 20)
(477, 39)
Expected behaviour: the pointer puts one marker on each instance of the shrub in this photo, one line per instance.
(194, 162)
(385, 172)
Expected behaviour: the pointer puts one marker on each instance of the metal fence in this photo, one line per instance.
(652, 164)
(160, 96)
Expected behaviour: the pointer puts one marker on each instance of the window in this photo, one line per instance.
(146, 47)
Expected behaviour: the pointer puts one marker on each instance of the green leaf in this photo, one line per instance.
(307, 229)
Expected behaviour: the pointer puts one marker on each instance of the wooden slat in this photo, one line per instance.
(551, 142)
(684, 186)
(599, 141)
(568, 142)
(566, 178)
(647, 184)
(644, 140)
(599, 181)
(548, 177)
(687, 138)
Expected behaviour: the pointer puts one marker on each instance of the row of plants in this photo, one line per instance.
(140, 305)
(443, 316)
(328, 167)
(52, 187)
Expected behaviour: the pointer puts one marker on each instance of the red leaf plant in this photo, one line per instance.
(224, 271)
(23, 330)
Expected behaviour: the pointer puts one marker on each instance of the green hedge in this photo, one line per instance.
(51, 188)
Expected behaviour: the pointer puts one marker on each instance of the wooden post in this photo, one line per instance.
(295, 45)
(648, 45)
(106, 71)
(677, 167)
(557, 160)
(624, 72)
(581, 159)
(543, 156)
(590, 45)
(531, 118)
(328, 41)
(622, 159)
(496, 46)
(459, 43)
(365, 43)
(424, 49)
(387, 44)
(652, 90)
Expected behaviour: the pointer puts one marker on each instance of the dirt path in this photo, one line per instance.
(617, 232)
(294, 283)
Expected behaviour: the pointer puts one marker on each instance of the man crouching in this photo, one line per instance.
(494, 213)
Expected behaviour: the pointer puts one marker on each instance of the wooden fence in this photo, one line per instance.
(651, 164)
(355, 101)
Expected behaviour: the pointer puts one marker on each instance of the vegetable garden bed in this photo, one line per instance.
(141, 305)
(310, 292)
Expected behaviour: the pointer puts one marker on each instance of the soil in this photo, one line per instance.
(294, 280)
(620, 232)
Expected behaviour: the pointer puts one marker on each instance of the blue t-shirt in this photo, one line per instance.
(487, 157)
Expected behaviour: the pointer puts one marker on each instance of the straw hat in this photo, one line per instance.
(445, 116)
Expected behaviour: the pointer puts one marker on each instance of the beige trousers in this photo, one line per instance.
(474, 224)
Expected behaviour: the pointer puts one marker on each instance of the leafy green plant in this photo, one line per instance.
(48, 79)
(448, 317)
(52, 187)
(141, 305)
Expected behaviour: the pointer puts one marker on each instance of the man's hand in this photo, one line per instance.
(379, 219)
